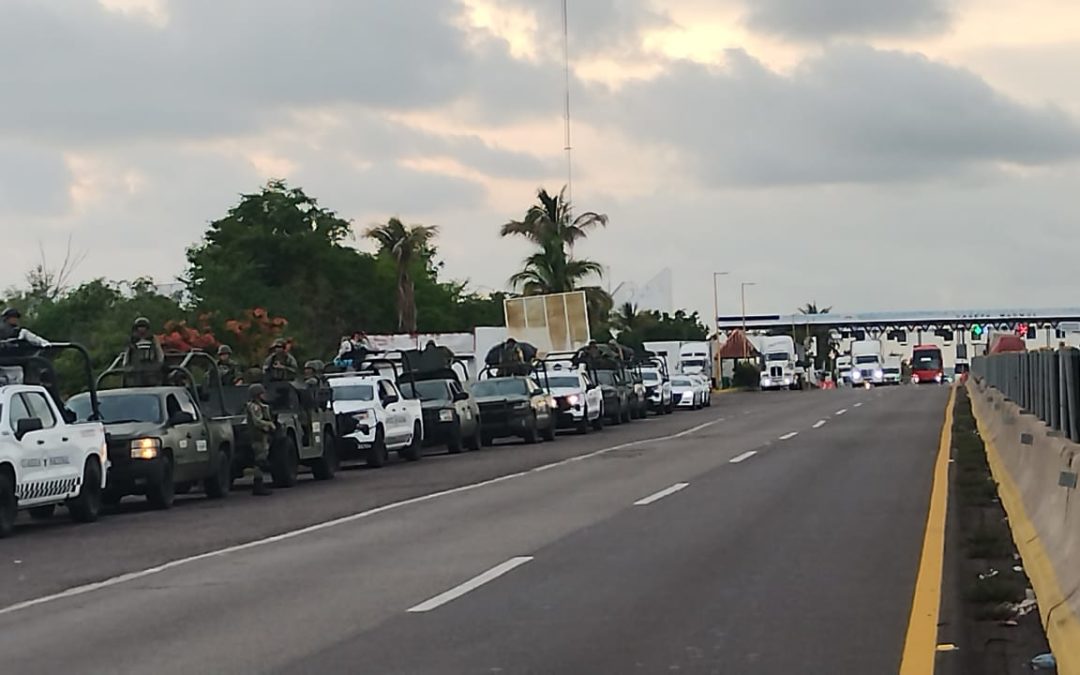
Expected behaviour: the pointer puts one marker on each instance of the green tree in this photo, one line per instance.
(821, 335)
(406, 246)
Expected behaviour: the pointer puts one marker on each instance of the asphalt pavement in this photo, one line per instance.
(772, 533)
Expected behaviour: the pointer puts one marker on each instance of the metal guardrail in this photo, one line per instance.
(1043, 383)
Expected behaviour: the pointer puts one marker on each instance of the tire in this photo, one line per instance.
(111, 497)
(582, 427)
(487, 441)
(453, 443)
(598, 423)
(377, 453)
(87, 506)
(285, 465)
(161, 494)
(183, 488)
(627, 413)
(415, 451)
(218, 485)
(326, 467)
(477, 439)
(530, 434)
(9, 506)
(618, 418)
(549, 433)
(43, 512)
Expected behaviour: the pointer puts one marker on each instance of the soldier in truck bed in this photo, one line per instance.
(280, 365)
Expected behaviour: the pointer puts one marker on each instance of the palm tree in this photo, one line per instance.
(628, 319)
(549, 224)
(821, 334)
(404, 244)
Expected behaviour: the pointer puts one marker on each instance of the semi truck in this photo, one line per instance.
(781, 368)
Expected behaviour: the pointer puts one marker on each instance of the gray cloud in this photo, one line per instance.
(817, 19)
(595, 26)
(33, 180)
(854, 114)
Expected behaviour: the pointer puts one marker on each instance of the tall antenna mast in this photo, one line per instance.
(566, 73)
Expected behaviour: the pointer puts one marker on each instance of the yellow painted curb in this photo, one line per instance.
(1061, 623)
(920, 645)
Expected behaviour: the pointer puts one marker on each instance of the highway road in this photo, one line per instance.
(773, 533)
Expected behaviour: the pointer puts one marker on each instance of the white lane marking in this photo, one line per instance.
(819, 424)
(743, 457)
(655, 497)
(841, 412)
(470, 585)
(285, 536)
(788, 437)
(859, 404)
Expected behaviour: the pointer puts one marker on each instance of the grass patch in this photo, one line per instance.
(996, 590)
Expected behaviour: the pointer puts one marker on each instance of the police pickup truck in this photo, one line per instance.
(45, 460)
(374, 418)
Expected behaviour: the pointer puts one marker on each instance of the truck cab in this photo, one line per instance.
(695, 358)
(374, 418)
(579, 403)
(868, 364)
(781, 369)
(46, 460)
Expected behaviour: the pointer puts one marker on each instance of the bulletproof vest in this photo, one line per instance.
(144, 350)
(8, 332)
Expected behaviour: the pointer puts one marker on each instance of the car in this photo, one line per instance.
(374, 418)
(451, 415)
(579, 402)
(616, 392)
(657, 387)
(46, 458)
(704, 389)
(514, 406)
(685, 392)
(161, 439)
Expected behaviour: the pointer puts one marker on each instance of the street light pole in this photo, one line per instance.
(716, 303)
(743, 293)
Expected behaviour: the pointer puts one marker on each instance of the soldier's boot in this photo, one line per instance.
(261, 489)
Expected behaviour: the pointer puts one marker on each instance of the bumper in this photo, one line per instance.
(132, 476)
(501, 426)
(438, 433)
(683, 400)
(777, 382)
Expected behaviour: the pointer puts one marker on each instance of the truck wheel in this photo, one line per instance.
(628, 414)
(415, 451)
(530, 434)
(325, 467)
(9, 506)
(616, 419)
(477, 439)
(598, 423)
(43, 512)
(377, 454)
(161, 493)
(111, 497)
(218, 485)
(183, 488)
(487, 441)
(87, 506)
(549, 433)
(582, 427)
(285, 464)
(453, 442)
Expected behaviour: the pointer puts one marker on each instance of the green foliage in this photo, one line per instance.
(406, 246)
(747, 375)
(636, 328)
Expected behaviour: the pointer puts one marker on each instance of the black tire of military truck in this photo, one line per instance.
(325, 467)
(549, 432)
(415, 451)
(453, 440)
(87, 506)
(598, 423)
(43, 512)
(582, 427)
(530, 436)
(161, 493)
(377, 453)
(9, 506)
(285, 464)
(219, 484)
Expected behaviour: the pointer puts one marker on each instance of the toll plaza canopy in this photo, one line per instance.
(737, 346)
(1001, 319)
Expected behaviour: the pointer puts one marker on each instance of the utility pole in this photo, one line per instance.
(566, 75)
(743, 293)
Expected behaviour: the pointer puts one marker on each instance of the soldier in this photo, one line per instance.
(144, 355)
(228, 370)
(11, 330)
(312, 374)
(261, 424)
(280, 365)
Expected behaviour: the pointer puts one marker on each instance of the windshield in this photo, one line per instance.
(426, 391)
(892, 371)
(564, 382)
(500, 388)
(681, 382)
(650, 376)
(120, 408)
(354, 392)
(869, 358)
(694, 363)
(606, 377)
(778, 356)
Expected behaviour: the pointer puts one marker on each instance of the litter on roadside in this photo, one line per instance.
(1044, 662)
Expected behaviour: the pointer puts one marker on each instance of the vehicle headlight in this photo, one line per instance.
(446, 415)
(787, 380)
(362, 415)
(878, 374)
(938, 378)
(855, 374)
(145, 448)
(573, 399)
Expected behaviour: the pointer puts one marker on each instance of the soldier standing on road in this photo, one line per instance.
(280, 365)
(11, 330)
(261, 423)
(144, 355)
(228, 370)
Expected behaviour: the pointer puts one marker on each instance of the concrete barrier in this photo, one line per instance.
(1036, 468)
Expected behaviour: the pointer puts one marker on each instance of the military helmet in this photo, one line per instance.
(314, 364)
(12, 312)
(279, 342)
(256, 390)
(224, 349)
(141, 322)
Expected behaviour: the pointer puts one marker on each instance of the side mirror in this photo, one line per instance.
(461, 396)
(27, 425)
(181, 418)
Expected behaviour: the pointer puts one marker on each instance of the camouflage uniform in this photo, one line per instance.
(144, 356)
(280, 365)
(260, 422)
(228, 370)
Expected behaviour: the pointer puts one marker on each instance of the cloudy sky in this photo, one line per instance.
(866, 154)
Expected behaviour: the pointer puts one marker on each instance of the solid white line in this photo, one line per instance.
(284, 536)
(858, 405)
(471, 585)
(743, 457)
(788, 437)
(841, 411)
(819, 424)
(660, 495)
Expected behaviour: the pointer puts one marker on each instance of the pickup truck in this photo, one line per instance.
(45, 460)
(515, 405)
(373, 418)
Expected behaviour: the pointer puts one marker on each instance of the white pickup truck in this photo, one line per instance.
(45, 461)
(373, 418)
